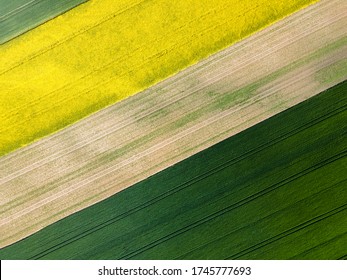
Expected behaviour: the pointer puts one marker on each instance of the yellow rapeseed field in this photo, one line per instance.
(105, 50)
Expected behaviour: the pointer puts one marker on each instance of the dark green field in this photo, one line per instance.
(19, 16)
(275, 191)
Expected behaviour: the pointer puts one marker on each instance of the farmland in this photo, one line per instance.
(19, 16)
(104, 51)
(274, 191)
(148, 132)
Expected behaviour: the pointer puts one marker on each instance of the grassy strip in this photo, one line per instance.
(18, 17)
(253, 195)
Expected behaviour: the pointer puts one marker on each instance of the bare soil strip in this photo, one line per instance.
(101, 155)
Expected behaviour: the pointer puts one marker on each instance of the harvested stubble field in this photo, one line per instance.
(106, 50)
(277, 190)
(19, 16)
(126, 143)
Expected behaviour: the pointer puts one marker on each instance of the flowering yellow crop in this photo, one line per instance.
(105, 50)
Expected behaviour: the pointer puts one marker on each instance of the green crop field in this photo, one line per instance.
(19, 16)
(278, 190)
